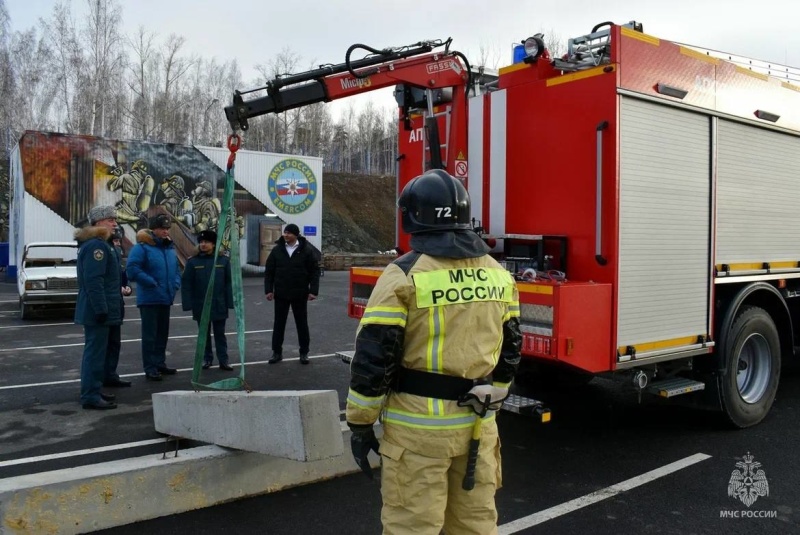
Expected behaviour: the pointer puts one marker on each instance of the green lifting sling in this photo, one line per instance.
(227, 224)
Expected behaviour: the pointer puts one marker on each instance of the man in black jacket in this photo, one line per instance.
(291, 279)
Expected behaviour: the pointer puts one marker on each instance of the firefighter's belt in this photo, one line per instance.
(435, 385)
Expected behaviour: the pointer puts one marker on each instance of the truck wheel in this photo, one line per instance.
(752, 368)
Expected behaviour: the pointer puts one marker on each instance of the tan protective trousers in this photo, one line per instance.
(422, 495)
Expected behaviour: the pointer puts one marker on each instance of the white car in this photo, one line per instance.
(47, 276)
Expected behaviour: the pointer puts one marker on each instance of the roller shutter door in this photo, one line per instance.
(664, 225)
(758, 195)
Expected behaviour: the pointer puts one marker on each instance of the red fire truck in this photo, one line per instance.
(644, 193)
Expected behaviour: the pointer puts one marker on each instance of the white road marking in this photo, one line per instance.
(77, 453)
(234, 364)
(599, 495)
(73, 323)
(126, 341)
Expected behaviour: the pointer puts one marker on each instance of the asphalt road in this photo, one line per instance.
(606, 464)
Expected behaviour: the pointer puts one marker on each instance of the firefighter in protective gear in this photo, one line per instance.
(137, 193)
(206, 207)
(176, 201)
(441, 321)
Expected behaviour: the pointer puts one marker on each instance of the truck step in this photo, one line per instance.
(526, 406)
(346, 356)
(674, 387)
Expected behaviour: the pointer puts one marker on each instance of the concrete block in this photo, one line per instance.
(105, 495)
(302, 425)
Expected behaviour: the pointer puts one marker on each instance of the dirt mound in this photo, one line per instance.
(358, 213)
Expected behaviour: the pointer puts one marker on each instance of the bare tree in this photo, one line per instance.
(283, 64)
(347, 123)
(144, 68)
(554, 43)
(171, 110)
(231, 78)
(6, 81)
(32, 106)
(488, 56)
(366, 124)
(208, 89)
(317, 129)
(105, 58)
(66, 63)
(389, 148)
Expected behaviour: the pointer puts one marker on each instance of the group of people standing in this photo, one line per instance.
(291, 280)
(434, 373)
(153, 266)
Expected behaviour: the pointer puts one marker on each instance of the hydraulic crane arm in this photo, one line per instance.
(415, 65)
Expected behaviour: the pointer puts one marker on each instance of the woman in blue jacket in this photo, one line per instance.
(196, 277)
(153, 266)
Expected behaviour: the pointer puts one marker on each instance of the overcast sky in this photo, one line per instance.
(320, 31)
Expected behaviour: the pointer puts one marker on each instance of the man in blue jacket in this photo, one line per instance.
(98, 307)
(291, 278)
(196, 277)
(153, 266)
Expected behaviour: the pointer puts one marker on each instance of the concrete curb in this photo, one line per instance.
(302, 425)
(104, 495)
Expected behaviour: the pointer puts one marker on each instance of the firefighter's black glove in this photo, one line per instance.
(100, 318)
(361, 441)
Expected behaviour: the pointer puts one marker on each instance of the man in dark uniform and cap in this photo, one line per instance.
(196, 277)
(98, 307)
(111, 378)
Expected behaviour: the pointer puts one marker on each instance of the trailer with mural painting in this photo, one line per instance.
(56, 178)
(642, 192)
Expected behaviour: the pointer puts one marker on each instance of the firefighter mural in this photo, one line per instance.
(206, 206)
(70, 174)
(136, 188)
